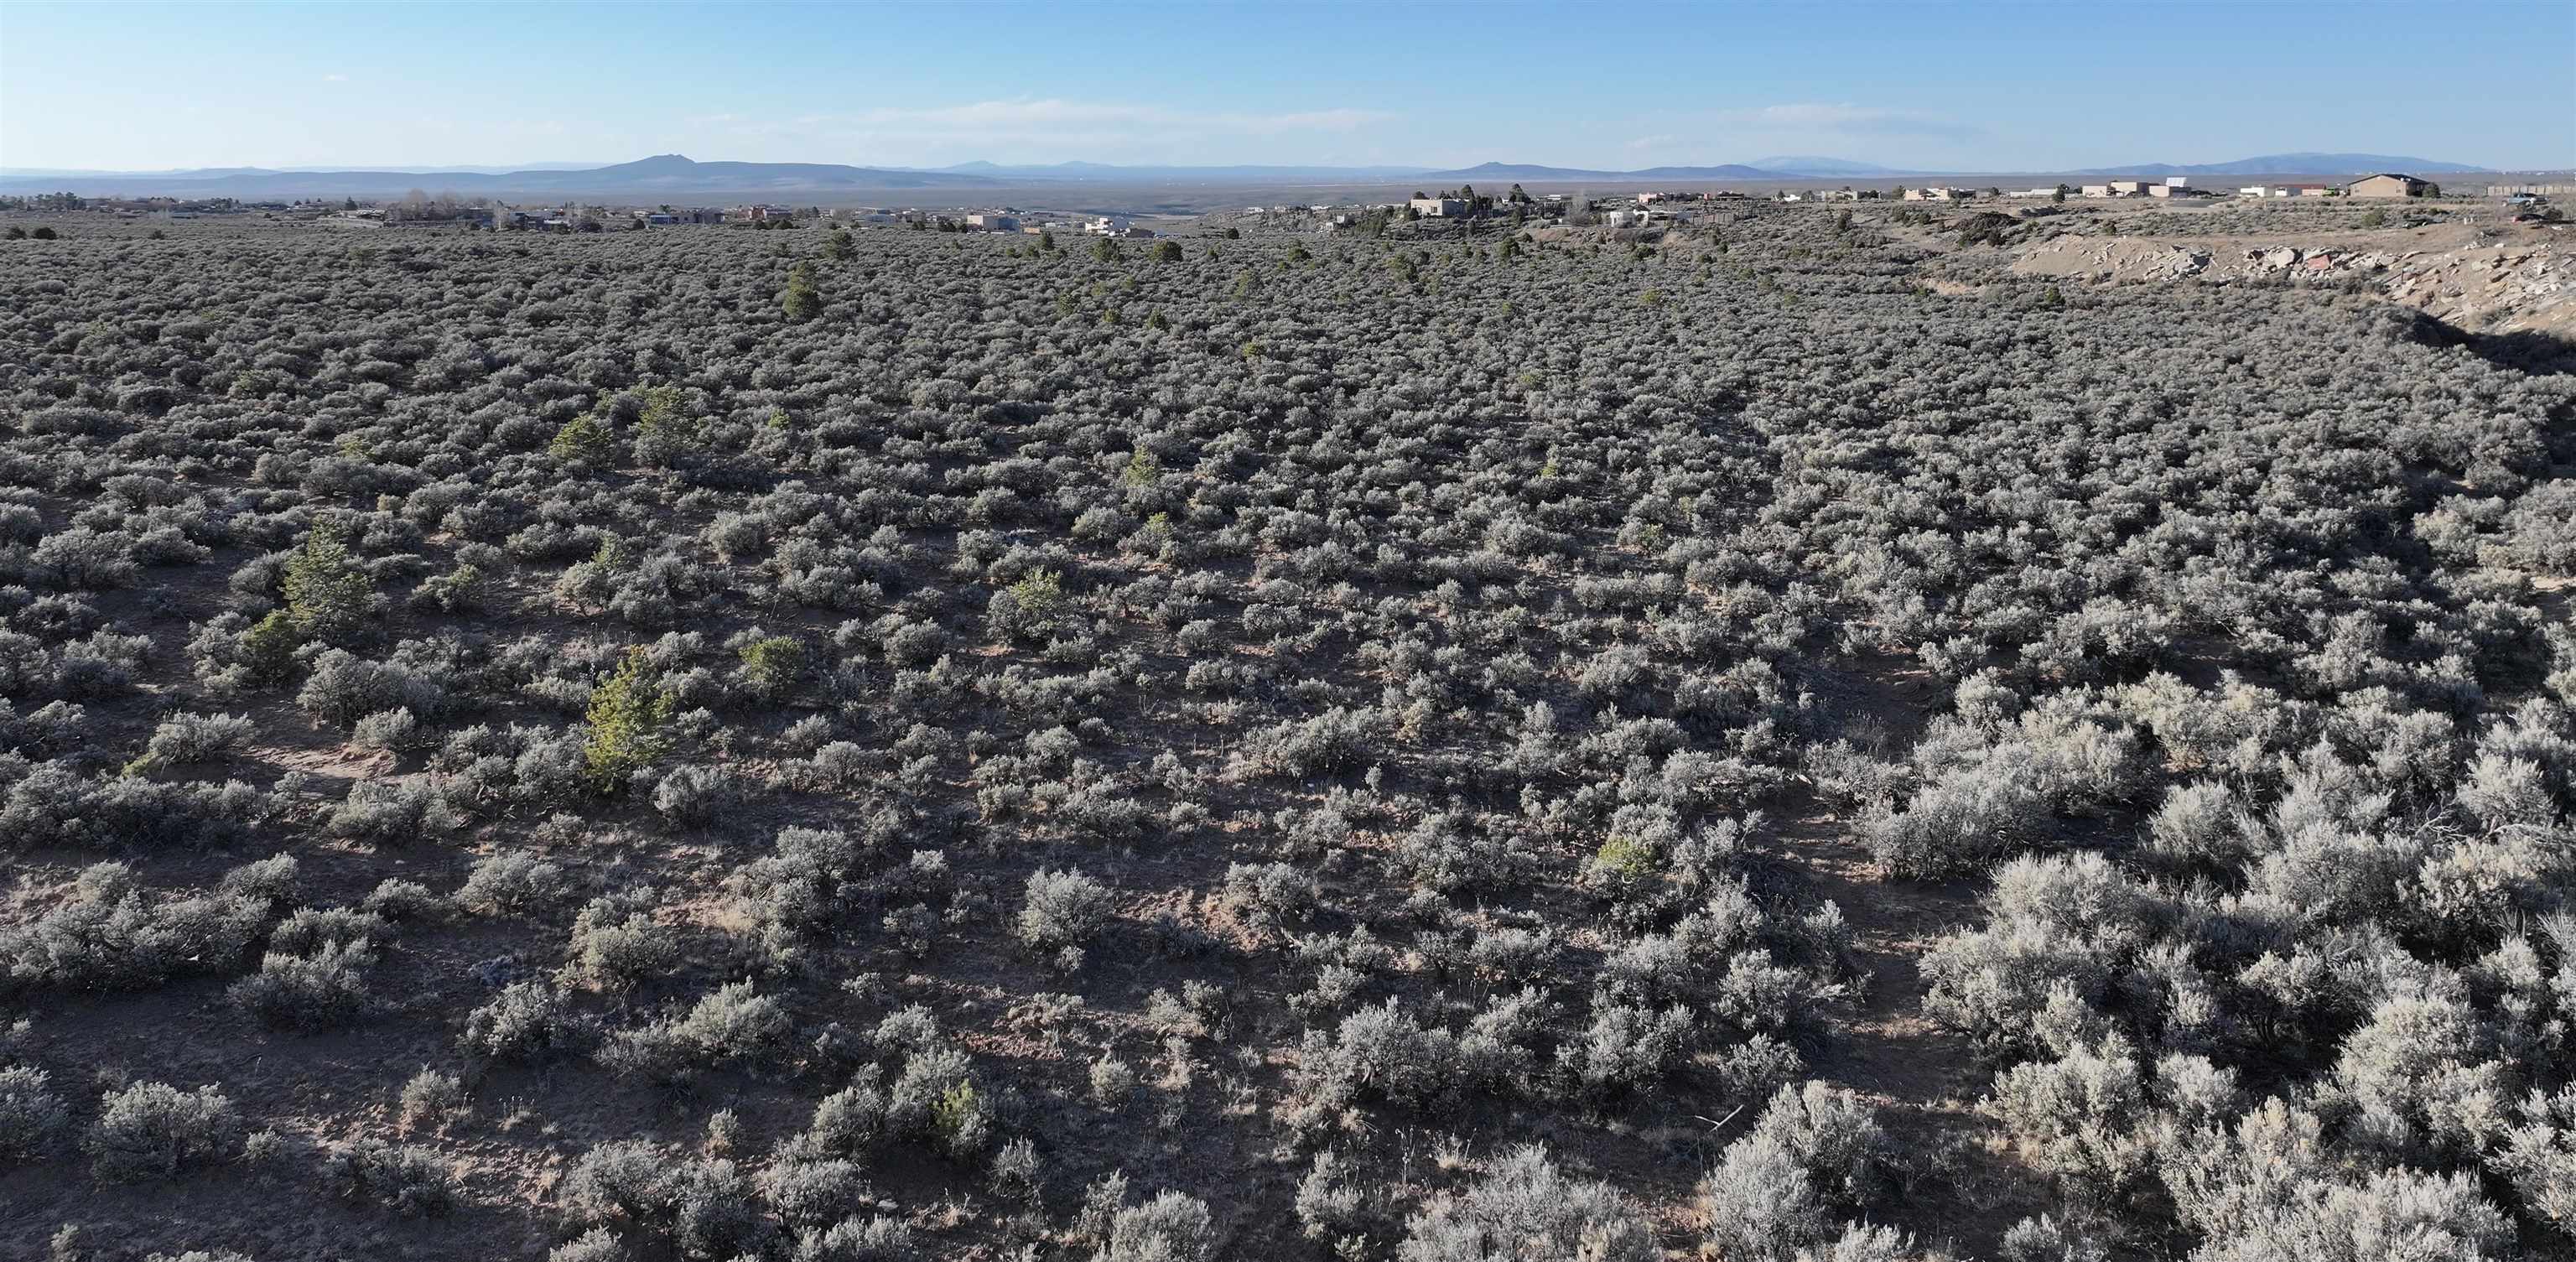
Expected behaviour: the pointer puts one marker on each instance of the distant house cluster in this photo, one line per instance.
(575, 218)
(2386, 184)
(2170, 186)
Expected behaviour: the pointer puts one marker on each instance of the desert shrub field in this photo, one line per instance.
(792, 746)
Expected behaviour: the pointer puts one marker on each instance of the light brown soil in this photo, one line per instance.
(1961, 1188)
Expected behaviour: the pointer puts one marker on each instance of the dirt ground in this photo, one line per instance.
(2478, 275)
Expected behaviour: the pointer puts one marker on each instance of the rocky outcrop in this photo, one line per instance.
(2112, 259)
(2512, 286)
(2504, 288)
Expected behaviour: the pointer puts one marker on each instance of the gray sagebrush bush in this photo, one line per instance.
(598, 1244)
(695, 795)
(699, 1208)
(183, 739)
(409, 1179)
(732, 1025)
(111, 936)
(387, 731)
(1060, 909)
(345, 688)
(1835, 1136)
(1816, 1152)
(1523, 1207)
(155, 1130)
(529, 1021)
(1272, 895)
(512, 882)
(812, 1194)
(875, 1238)
(1172, 1227)
(430, 1100)
(616, 942)
(2073, 921)
(33, 1120)
(308, 992)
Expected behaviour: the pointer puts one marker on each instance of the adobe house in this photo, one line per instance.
(2389, 185)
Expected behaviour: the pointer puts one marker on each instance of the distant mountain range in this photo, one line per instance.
(658, 179)
(2296, 164)
(670, 176)
(1217, 174)
(1514, 171)
(1836, 168)
(1767, 169)
(1822, 166)
(213, 173)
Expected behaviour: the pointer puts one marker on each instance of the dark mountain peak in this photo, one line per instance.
(658, 163)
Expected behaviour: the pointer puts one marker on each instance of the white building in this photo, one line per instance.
(1439, 207)
(992, 222)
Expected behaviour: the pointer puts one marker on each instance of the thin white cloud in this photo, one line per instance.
(1053, 113)
(1338, 120)
(1846, 119)
(1643, 143)
(1038, 125)
(335, 78)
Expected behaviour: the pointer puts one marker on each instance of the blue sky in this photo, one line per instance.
(2001, 87)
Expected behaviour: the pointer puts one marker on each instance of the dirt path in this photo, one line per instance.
(1961, 1186)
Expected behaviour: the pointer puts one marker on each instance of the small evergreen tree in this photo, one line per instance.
(583, 440)
(626, 718)
(771, 664)
(326, 591)
(666, 430)
(802, 300)
(268, 648)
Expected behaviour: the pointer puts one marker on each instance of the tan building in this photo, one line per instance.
(2388, 185)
